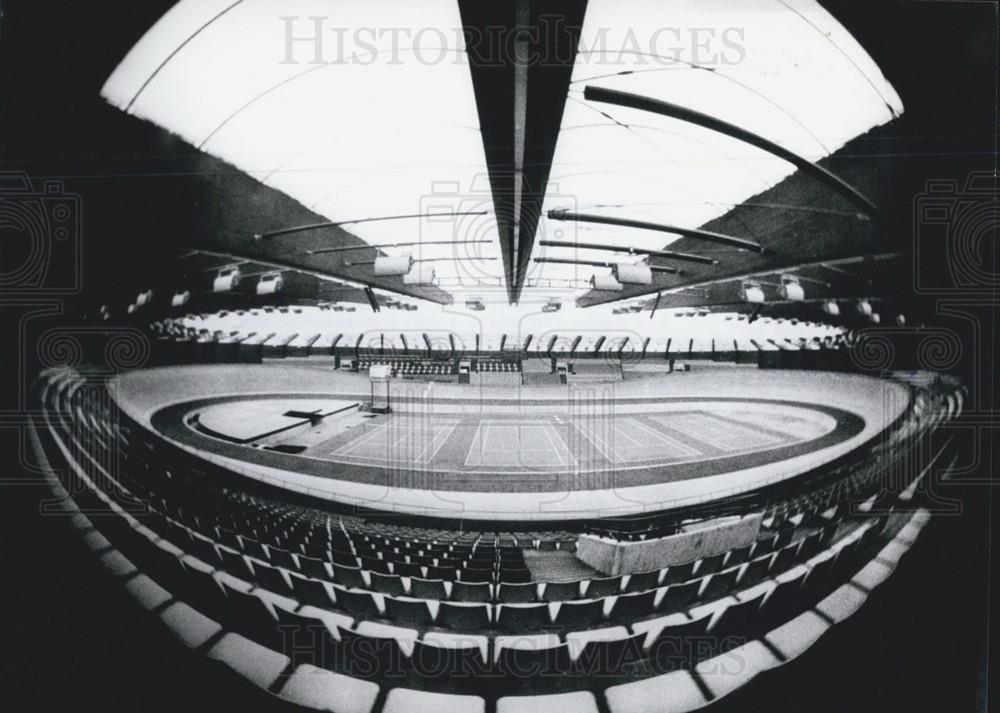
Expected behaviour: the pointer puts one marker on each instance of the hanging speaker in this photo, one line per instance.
(791, 289)
(226, 279)
(633, 274)
(270, 283)
(751, 292)
(390, 266)
(422, 273)
(605, 283)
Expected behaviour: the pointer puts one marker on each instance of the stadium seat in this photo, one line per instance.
(456, 658)
(460, 616)
(471, 591)
(356, 603)
(764, 546)
(223, 536)
(442, 572)
(785, 558)
(561, 591)
(373, 564)
(811, 545)
(413, 569)
(630, 607)
(204, 593)
(345, 558)
(573, 702)
(710, 565)
(583, 614)
(531, 655)
(522, 617)
(783, 539)
(679, 573)
(427, 588)
(515, 575)
(253, 548)
(783, 602)
(283, 558)
(673, 640)
(720, 584)
(310, 591)
(406, 700)
(373, 651)
(509, 593)
(206, 552)
(600, 652)
(475, 575)
(409, 612)
(236, 564)
(348, 576)
(271, 578)
(818, 579)
(755, 571)
(315, 568)
(306, 640)
(736, 618)
(642, 581)
(679, 596)
(387, 583)
(603, 587)
(251, 617)
(738, 556)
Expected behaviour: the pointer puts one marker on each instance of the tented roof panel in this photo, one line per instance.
(369, 133)
(785, 70)
(386, 124)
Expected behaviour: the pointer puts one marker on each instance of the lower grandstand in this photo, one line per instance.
(323, 603)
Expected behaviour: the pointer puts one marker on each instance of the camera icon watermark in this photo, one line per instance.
(955, 233)
(478, 222)
(40, 230)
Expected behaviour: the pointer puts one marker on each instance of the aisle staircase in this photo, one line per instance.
(557, 566)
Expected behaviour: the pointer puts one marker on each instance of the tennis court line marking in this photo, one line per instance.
(599, 443)
(641, 449)
(620, 434)
(364, 439)
(360, 441)
(744, 420)
(763, 438)
(691, 430)
(553, 437)
(682, 449)
(441, 434)
(477, 448)
(485, 431)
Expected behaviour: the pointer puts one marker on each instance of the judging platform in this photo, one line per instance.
(544, 452)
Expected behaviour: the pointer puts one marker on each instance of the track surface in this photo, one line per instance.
(533, 452)
(541, 453)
